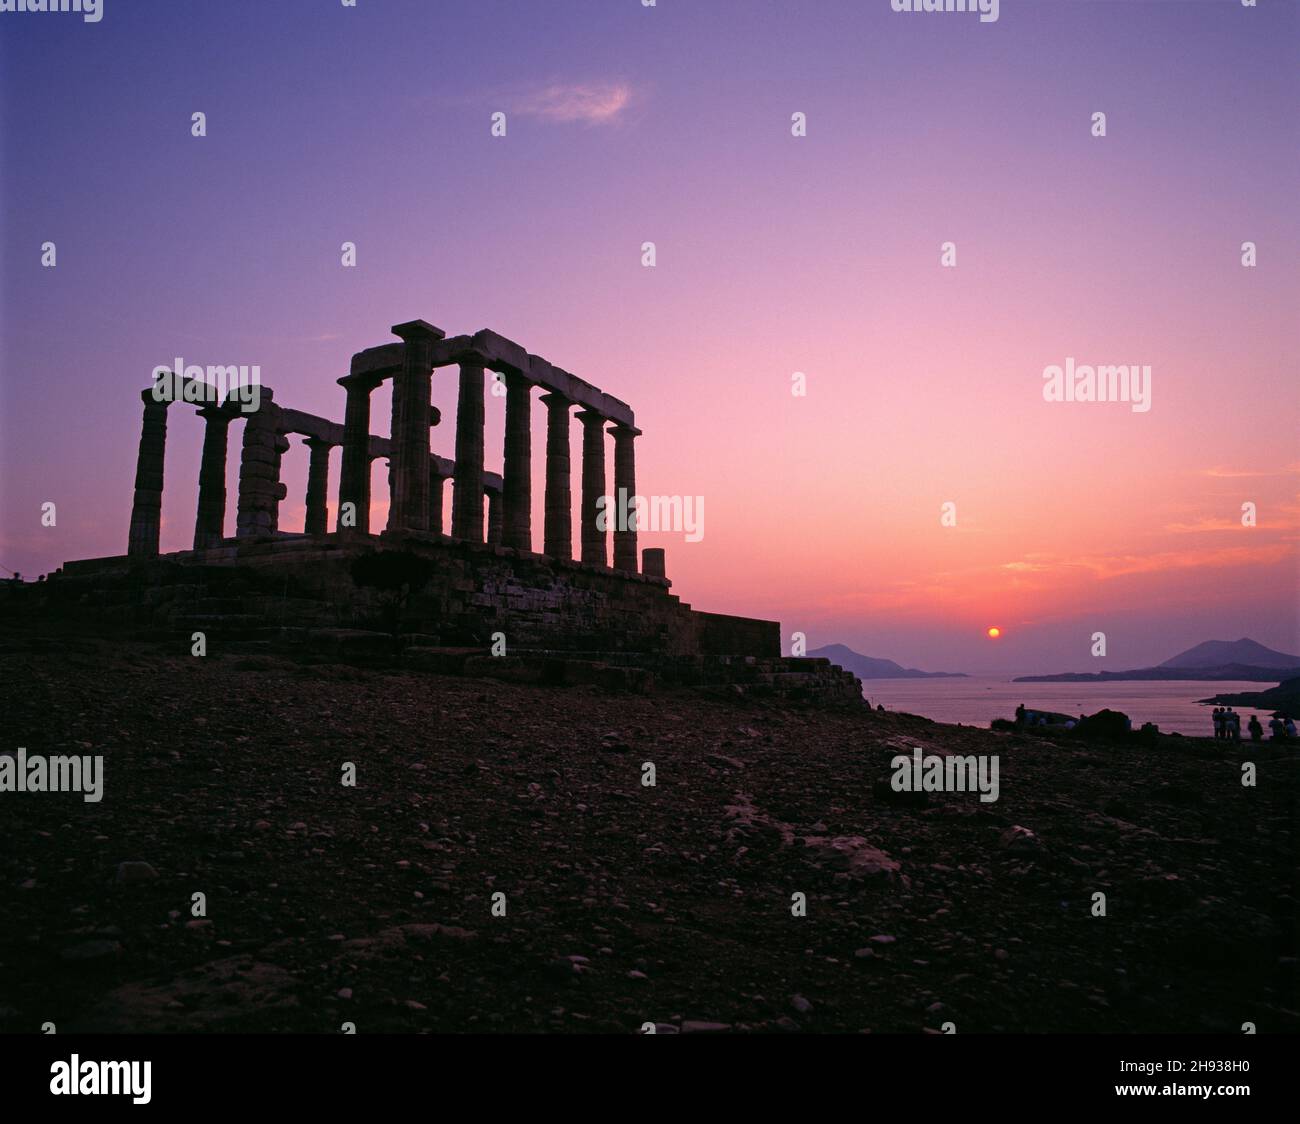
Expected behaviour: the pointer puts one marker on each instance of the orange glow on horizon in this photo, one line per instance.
(994, 632)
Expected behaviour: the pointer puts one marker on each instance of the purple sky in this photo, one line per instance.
(776, 254)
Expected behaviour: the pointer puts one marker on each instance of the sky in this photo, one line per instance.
(775, 255)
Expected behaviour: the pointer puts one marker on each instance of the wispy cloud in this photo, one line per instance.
(1204, 525)
(593, 103)
(1246, 473)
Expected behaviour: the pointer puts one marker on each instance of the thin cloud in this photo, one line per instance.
(595, 103)
(1204, 525)
(1246, 473)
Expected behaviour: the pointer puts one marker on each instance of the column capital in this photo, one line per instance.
(417, 330)
(363, 380)
(618, 429)
(317, 442)
(591, 417)
(214, 413)
(556, 401)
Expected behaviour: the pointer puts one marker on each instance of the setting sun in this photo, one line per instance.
(994, 632)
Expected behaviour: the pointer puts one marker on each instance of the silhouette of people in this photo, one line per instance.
(1277, 731)
(1218, 721)
(1256, 730)
(1020, 715)
(1232, 725)
(1288, 724)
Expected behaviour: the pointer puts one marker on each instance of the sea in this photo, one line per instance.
(977, 700)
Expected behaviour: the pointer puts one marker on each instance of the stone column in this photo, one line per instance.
(260, 490)
(517, 530)
(209, 523)
(467, 489)
(495, 518)
(146, 507)
(558, 530)
(354, 472)
(624, 494)
(593, 487)
(652, 562)
(394, 428)
(436, 481)
(281, 447)
(318, 478)
(411, 386)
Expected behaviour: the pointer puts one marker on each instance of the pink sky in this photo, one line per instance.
(775, 255)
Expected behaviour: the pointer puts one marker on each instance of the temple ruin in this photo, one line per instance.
(613, 610)
(417, 476)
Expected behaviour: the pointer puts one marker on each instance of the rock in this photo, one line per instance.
(90, 950)
(344, 993)
(800, 1004)
(851, 855)
(1020, 840)
(697, 1026)
(130, 872)
(211, 996)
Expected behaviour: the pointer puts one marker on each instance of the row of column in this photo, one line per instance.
(420, 509)
(260, 489)
(416, 479)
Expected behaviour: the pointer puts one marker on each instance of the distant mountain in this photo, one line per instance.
(1220, 653)
(1243, 660)
(866, 667)
(1236, 671)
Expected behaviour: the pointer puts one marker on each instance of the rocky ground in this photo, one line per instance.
(625, 904)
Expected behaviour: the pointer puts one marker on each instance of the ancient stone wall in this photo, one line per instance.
(474, 591)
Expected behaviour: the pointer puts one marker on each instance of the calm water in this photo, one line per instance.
(976, 701)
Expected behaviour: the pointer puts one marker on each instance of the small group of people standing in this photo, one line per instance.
(1227, 725)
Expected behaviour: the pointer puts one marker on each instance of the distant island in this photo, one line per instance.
(1284, 698)
(1244, 660)
(867, 667)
